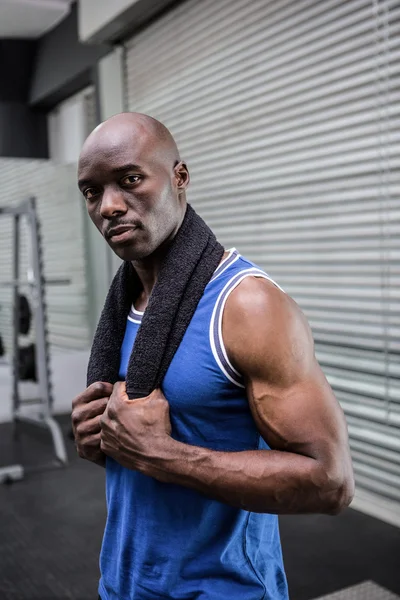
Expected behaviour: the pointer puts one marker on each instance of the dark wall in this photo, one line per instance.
(23, 131)
(63, 65)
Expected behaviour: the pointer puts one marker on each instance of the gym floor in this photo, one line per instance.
(51, 526)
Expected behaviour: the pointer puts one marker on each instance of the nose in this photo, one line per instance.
(112, 204)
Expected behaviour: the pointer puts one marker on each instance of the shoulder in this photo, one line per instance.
(259, 299)
(263, 327)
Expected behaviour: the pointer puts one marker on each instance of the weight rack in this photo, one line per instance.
(41, 414)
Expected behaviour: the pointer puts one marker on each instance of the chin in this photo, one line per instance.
(131, 253)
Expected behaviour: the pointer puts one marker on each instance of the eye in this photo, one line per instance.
(130, 179)
(89, 193)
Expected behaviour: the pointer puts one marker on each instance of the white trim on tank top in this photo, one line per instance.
(218, 271)
(215, 333)
(135, 313)
(225, 263)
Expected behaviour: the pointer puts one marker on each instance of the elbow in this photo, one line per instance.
(340, 495)
(340, 500)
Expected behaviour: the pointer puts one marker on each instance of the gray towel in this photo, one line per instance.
(187, 268)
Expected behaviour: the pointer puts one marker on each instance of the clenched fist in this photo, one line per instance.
(87, 410)
(136, 433)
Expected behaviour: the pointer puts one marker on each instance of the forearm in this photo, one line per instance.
(265, 481)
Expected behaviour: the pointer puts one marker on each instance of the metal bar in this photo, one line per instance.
(58, 440)
(39, 312)
(41, 339)
(25, 282)
(16, 244)
(38, 419)
(51, 424)
(18, 209)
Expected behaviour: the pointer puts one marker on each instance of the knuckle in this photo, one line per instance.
(76, 401)
(92, 441)
(97, 388)
(80, 429)
(111, 412)
(75, 417)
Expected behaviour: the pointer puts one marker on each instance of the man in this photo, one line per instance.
(245, 426)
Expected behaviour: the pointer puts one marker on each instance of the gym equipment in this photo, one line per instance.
(31, 362)
(27, 363)
(25, 315)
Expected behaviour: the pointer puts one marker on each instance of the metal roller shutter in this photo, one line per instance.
(288, 115)
(60, 212)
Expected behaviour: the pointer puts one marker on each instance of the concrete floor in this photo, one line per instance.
(51, 526)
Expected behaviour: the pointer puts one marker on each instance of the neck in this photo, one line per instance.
(147, 270)
(149, 267)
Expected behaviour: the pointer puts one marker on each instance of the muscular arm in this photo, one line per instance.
(308, 468)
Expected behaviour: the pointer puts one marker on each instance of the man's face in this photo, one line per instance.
(131, 187)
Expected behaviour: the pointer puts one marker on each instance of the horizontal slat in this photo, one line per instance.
(315, 219)
(238, 21)
(346, 397)
(336, 265)
(377, 415)
(276, 61)
(373, 468)
(384, 330)
(335, 167)
(352, 304)
(351, 361)
(371, 479)
(340, 380)
(314, 190)
(349, 203)
(291, 97)
(348, 292)
(356, 342)
(356, 130)
(281, 55)
(368, 433)
(337, 111)
(368, 450)
(342, 318)
(366, 482)
(363, 280)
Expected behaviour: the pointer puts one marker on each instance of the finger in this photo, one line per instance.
(119, 390)
(88, 428)
(88, 411)
(118, 396)
(90, 449)
(94, 408)
(99, 389)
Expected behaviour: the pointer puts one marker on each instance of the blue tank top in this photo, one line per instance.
(167, 541)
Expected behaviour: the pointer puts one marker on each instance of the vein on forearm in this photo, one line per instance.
(255, 480)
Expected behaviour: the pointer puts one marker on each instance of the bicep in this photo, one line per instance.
(292, 403)
(303, 417)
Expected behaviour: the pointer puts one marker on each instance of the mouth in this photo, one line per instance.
(121, 234)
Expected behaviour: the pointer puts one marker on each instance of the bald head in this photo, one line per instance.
(131, 174)
(137, 130)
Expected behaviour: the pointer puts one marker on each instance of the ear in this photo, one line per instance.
(182, 176)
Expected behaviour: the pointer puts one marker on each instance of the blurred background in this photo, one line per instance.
(287, 113)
